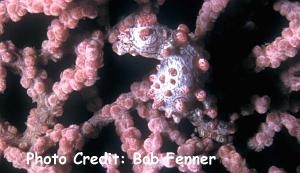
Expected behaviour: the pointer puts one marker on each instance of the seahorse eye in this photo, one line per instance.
(145, 33)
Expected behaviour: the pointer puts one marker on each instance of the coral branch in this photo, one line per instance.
(274, 169)
(58, 31)
(232, 160)
(285, 46)
(291, 78)
(167, 117)
(264, 138)
(208, 14)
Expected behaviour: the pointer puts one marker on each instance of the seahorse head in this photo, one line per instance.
(139, 34)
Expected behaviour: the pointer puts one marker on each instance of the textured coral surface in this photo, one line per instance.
(212, 77)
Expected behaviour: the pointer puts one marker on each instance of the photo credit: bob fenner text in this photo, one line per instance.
(109, 158)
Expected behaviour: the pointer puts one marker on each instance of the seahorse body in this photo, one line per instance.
(177, 84)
